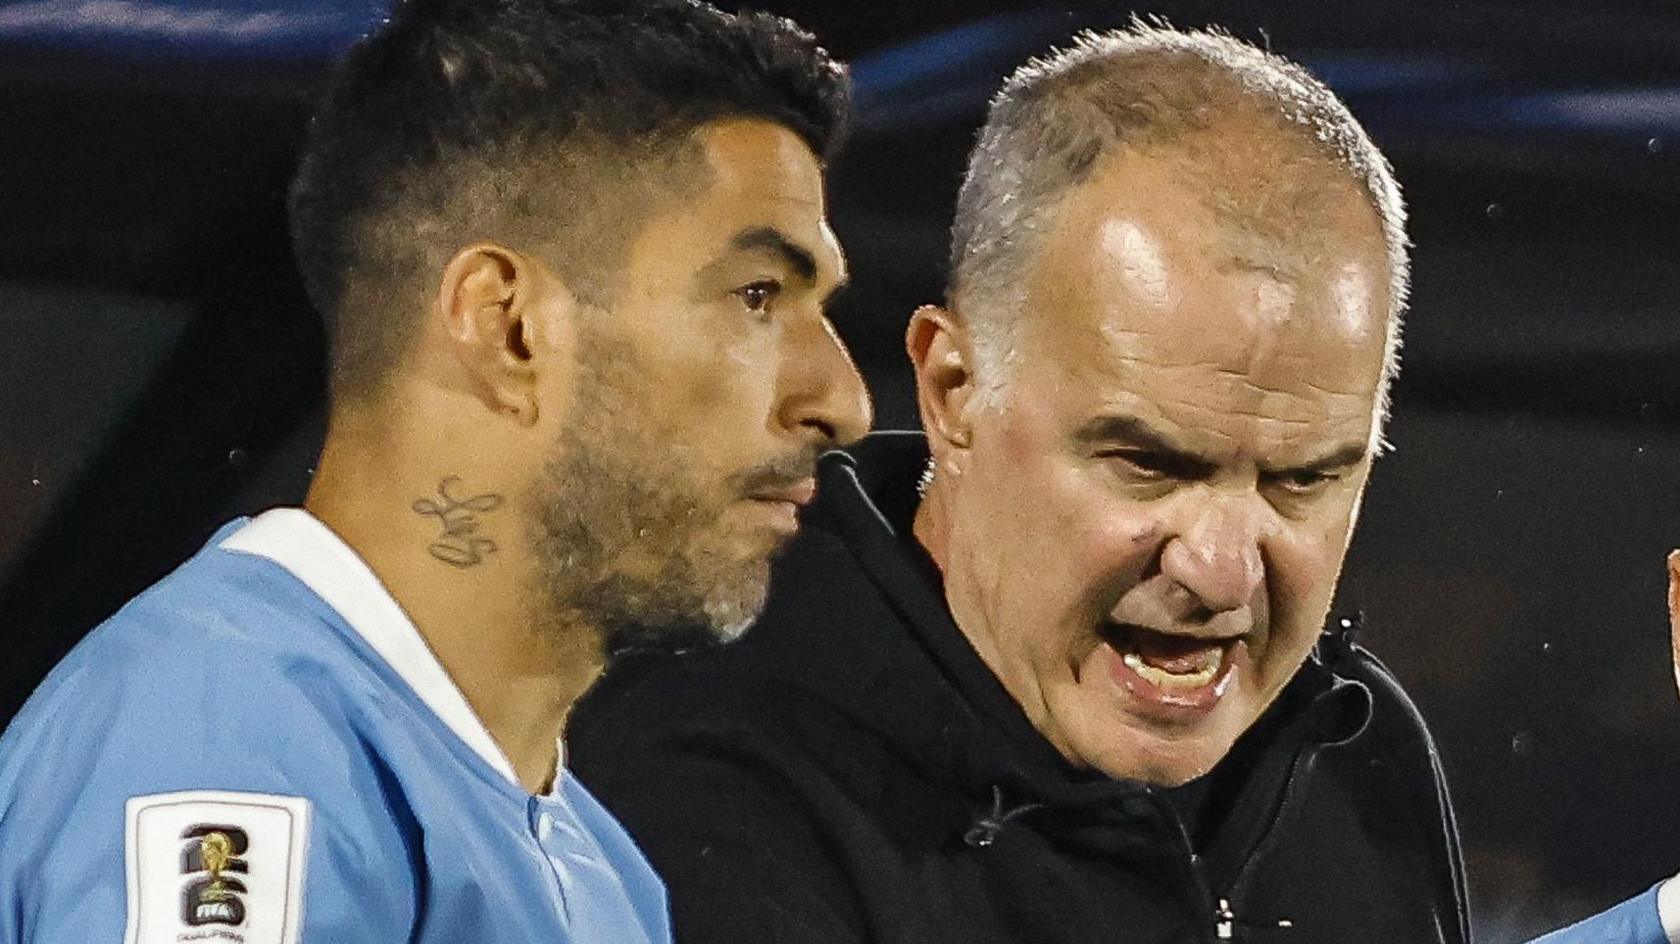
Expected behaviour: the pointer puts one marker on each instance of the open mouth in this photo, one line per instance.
(1170, 662)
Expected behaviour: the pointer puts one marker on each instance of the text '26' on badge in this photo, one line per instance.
(216, 866)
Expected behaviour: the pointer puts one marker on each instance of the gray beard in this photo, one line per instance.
(622, 544)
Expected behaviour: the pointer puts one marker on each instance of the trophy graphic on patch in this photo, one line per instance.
(216, 849)
(210, 857)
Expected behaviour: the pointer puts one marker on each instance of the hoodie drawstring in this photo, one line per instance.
(985, 830)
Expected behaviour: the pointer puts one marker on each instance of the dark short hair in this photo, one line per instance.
(460, 120)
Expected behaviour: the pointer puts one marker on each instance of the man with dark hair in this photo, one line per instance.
(573, 257)
(1054, 671)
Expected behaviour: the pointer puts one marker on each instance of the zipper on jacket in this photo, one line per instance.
(1226, 929)
(1216, 914)
(1220, 915)
(1216, 911)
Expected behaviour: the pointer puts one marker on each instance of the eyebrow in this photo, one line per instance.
(1339, 458)
(1136, 432)
(1111, 427)
(772, 240)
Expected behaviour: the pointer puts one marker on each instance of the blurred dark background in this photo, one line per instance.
(162, 371)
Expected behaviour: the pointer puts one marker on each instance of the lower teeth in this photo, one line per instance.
(1165, 679)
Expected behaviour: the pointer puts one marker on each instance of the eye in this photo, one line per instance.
(1141, 463)
(758, 296)
(1302, 481)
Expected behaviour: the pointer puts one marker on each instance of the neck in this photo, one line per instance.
(932, 526)
(446, 541)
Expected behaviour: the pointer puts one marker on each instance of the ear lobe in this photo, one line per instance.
(942, 357)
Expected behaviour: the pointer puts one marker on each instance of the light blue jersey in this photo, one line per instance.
(262, 750)
(1643, 920)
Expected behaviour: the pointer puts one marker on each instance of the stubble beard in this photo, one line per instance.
(626, 540)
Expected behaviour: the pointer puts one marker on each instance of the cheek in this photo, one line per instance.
(714, 399)
(1306, 579)
(1020, 446)
(1112, 544)
(715, 394)
(1121, 529)
(1052, 527)
(1078, 543)
(1305, 565)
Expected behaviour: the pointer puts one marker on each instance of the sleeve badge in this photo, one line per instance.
(216, 866)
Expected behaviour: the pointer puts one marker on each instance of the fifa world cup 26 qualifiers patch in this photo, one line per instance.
(216, 866)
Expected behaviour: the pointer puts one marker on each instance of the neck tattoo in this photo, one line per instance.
(460, 545)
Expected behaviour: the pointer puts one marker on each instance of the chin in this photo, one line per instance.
(732, 605)
(1175, 772)
(726, 633)
(1161, 761)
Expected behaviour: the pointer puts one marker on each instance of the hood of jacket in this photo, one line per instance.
(927, 693)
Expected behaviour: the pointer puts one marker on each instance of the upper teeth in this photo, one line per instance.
(1166, 679)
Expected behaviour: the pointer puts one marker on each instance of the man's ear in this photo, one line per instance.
(492, 302)
(942, 356)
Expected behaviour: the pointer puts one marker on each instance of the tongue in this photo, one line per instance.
(1174, 654)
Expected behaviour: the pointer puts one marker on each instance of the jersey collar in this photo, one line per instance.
(305, 546)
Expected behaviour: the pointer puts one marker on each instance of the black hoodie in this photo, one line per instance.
(850, 771)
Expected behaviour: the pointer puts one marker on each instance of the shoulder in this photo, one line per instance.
(669, 713)
(225, 677)
(215, 699)
(227, 639)
(723, 772)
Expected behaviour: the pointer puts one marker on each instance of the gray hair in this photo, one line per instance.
(1146, 85)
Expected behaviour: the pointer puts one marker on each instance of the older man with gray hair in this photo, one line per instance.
(1055, 671)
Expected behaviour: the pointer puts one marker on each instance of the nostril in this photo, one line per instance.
(824, 428)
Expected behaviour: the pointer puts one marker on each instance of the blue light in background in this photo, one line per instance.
(191, 29)
(928, 79)
(986, 46)
(1358, 74)
(953, 71)
(1649, 110)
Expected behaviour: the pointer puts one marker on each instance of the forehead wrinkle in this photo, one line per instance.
(1242, 395)
(1198, 361)
(1254, 388)
(1256, 433)
(1261, 436)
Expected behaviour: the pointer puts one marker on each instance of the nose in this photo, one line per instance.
(1217, 560)
(822, 395)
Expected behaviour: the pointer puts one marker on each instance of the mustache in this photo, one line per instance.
(780, 472)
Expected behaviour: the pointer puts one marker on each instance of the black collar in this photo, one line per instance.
(983, 740)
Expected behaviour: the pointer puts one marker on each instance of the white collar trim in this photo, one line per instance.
(305, 546)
